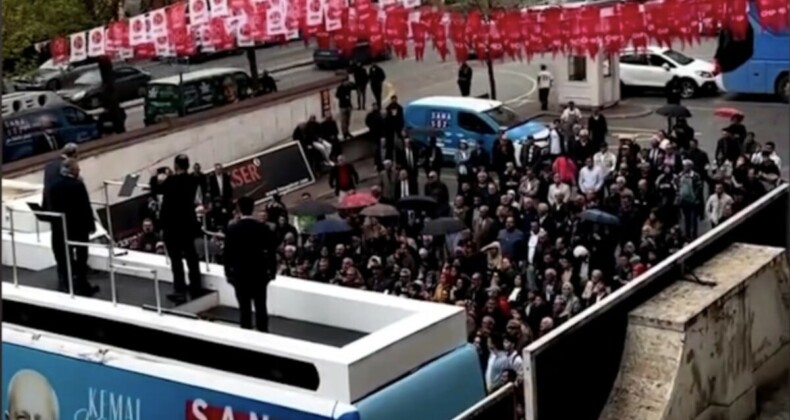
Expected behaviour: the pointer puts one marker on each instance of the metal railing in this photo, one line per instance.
(500, 405)
(68, 246)
(155, 275)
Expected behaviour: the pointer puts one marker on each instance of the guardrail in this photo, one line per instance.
(499, 405)
(570, 371)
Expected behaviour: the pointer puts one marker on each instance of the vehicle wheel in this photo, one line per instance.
(53, 84)
(624, 90)
(783, 88)
(94, 102)
(688, 88)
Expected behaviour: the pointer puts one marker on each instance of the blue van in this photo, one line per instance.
(451, 119)
(23, 132)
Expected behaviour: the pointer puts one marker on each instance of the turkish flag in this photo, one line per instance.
(773, 14)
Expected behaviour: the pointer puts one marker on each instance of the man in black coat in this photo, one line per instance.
(250, 264)
(408, 158)
(599, 128)
(52, 171)
(433, 158)
(220, 188)
(361, 81)
(180, 227)
(465, 79)
(374, 121)
(377, 77)
(343, 96)
(69, 196)
(394, 121)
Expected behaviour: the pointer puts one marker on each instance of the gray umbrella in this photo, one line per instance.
(443, 226)
(312, 208)
(380, 210)
(600, 217)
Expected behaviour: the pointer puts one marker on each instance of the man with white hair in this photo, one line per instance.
(30, 396)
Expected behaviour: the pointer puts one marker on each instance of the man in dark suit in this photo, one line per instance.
(250, 264)
(404, 187)
(52, 171)
(68, 196)
(394, 122)
(408, 158)
(433, 159)
(202, 180)
(180, 227)
(376, 77)
(220, 187)
(374, 121)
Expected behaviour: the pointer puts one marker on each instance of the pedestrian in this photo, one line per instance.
(361, 81)
(387, 180)
(69, 197)
(343, 95)
(328, 132)
(433, 158)
(376, 76)
(465, 79)
(673, 91)
(690, 199)
(250, 264)
(717, 202)
(374, 121)
(53, 170)
(180, 228)
(343, 176)
(598, 127)
(268, 84)
(545, 83)
(394, 121)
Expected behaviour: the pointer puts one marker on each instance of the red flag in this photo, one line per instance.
(611, 35)
(418, 31)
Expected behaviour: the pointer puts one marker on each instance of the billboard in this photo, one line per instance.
(280, 170)
(48, 386)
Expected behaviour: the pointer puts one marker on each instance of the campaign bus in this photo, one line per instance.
(756, 65)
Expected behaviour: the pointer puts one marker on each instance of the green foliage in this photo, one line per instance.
(26, 22)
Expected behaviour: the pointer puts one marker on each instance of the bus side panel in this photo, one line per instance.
(770, 58)
(79, 388)
(440, 390)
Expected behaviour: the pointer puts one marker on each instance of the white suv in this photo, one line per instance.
(654, 67)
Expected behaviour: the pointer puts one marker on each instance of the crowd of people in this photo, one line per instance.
(547, 233)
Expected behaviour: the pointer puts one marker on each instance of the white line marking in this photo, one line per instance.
(523, 96)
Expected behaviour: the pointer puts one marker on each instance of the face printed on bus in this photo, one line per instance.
(30, 396)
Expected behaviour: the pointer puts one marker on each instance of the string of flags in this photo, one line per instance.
(407, 28)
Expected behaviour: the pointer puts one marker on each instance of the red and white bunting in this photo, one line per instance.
(79, 47)
(198, 12)
(158, 23)
(275, 18)
(163, 47)
(97, 42)
(315, 12)
(219, 8)
(137, 34)
(59, 49)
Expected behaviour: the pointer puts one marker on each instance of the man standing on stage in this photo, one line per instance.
(180, 227)
(250, 264)
(69, 196)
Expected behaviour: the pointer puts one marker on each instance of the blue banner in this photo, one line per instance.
(46, 386)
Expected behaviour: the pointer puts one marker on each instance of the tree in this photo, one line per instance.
(486, 7)
(27, 22)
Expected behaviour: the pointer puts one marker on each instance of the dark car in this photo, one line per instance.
(332, 58)
(130, 83)
(52, 76)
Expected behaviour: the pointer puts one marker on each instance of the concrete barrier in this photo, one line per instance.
(581, 358)
(239, 130)
(705, 346)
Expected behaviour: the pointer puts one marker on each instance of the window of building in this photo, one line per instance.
(577, 69)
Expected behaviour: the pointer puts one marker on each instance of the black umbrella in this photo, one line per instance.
(600, 217)
(674, 111)
(313, 208)
(417, 203)
(443, 226)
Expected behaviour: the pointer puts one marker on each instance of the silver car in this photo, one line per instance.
(52, 76)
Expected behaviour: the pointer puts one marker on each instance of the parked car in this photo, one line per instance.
(176, 96)
(333, 58)
(41, 130)
(452, 119)
(16, 102)
(656, 66)
(130, 83)
(52, 76)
